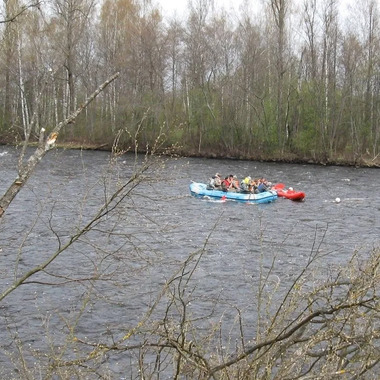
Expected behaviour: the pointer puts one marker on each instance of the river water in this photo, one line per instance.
(103, 284)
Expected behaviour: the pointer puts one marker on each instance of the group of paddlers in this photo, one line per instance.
(231, 183)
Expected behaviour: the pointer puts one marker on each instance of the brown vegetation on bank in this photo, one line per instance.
(363, 161)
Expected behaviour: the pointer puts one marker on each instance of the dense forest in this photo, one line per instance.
(293, 80)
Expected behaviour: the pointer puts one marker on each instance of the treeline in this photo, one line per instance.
(294, 80)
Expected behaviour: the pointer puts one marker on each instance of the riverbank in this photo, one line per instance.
(288, 158)
(364, 161)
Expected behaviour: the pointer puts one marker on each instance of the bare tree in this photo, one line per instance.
(12, 16)
(72, 18)
(311, 25)
(174, 39)
(10, 54)
(279, 12)
(372, 43)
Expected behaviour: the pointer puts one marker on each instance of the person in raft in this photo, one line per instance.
(263, 185)
(218, 181)
(235, 183)
(230, 184)
(226, 184)
(245, 186)
(215, 182)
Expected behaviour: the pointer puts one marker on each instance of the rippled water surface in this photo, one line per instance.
(141, 245)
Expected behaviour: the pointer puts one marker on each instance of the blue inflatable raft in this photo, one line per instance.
(200, 190)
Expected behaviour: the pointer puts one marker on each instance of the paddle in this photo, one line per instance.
(279, 186)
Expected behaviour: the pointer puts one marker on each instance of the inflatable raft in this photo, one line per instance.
(289, 193)
(200, 190)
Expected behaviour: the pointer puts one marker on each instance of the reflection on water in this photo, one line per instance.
(114, 273)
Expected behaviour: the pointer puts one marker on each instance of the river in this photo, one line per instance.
(104, 283)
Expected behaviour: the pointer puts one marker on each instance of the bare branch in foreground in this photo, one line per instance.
(44, 146)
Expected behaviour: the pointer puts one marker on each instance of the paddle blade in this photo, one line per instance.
(279, 186)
